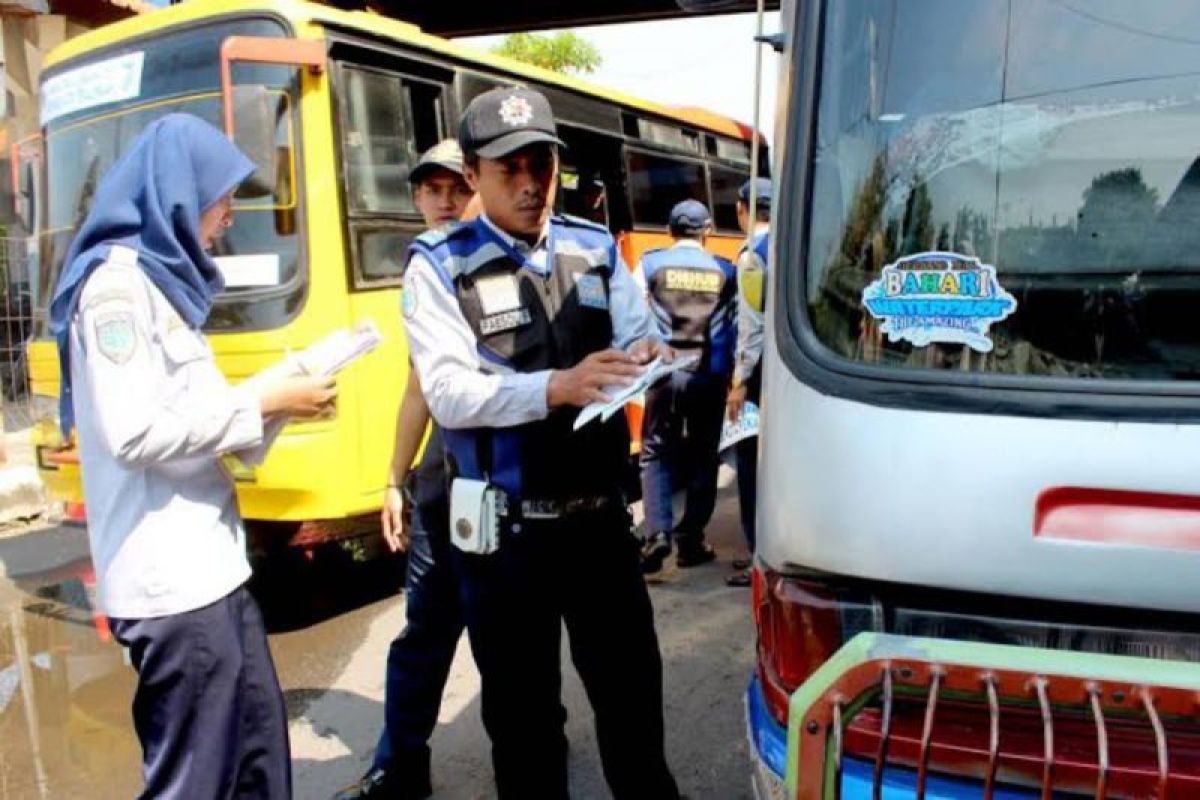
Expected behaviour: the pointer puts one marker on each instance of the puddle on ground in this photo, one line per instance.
(65, 692)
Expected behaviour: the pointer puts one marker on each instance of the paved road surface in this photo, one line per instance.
(64, 691)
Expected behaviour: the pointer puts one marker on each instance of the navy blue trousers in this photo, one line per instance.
(746, 456)
(585, 571)
(419, 658)
(691, 405)
(208, 709)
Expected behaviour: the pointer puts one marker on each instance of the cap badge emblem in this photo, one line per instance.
(516, 111)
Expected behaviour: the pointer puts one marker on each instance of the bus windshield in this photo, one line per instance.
(984, 131)
(260, 255)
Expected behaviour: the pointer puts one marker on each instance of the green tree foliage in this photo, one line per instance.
(563, 52)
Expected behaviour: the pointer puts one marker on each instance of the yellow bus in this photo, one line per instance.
(334, 107)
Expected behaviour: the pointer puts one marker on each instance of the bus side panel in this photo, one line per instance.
(378, 387)
(952, 500)
(62, 482)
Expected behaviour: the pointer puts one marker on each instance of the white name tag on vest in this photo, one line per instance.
(498, 294)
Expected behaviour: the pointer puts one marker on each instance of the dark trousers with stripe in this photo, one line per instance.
(419, 658)
(208, 709)
(583, 570)
(746, 456)
(681, 430)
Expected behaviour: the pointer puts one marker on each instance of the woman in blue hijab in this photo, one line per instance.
(154, 416)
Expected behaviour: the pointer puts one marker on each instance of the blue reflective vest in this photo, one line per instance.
(693, 296)
(528, 318)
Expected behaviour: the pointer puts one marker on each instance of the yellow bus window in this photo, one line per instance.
(379, 146)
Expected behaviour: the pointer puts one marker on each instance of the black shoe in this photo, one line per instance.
(741, 578)
(383, 784)
(655, 550)
(742, 563)
(694, 554)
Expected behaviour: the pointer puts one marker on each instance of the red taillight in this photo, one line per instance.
(799, 629)
(758, 594)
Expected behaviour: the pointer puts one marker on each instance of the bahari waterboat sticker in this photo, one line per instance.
(939, 297)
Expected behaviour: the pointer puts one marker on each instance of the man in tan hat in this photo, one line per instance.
(419, 658)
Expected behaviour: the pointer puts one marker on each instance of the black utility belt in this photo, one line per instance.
(481, 513)
(551, 508)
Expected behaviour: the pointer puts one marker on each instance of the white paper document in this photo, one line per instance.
(745, 426)
(655, 371)
(339, 349)
(327, 356)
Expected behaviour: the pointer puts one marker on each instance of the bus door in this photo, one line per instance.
(389, 110)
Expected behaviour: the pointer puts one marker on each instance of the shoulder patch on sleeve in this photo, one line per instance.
(116, 334)
(435, 236)
(408, 299)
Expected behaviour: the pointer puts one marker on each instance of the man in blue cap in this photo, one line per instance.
(692, 294)
(516, 320)
(747, 366)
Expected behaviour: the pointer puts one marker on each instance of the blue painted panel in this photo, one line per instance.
(901, 784)
(768, 736)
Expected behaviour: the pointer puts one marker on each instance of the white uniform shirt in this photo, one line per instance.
(154, 414)
(464, 391)
(750, 320)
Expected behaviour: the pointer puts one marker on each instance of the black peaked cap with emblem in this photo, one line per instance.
(505, 119)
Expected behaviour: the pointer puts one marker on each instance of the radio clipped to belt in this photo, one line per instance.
(474, 516)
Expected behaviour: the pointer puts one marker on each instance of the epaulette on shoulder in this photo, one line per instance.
(442, 233)
(653, 251)
(580, 222)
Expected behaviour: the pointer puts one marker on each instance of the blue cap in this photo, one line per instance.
(762, 191)
(689, 217)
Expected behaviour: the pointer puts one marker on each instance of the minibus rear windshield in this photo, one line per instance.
(1056, 142)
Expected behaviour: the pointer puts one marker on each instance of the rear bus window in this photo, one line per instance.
(658, 182)
(388, 120)
(725, 185)
(1069, 163)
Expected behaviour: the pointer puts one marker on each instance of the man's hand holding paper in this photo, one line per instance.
(617, 397)
(644, 351)
(593, 379)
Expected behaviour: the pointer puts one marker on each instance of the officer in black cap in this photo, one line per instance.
(516, 320)
(692, 294)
